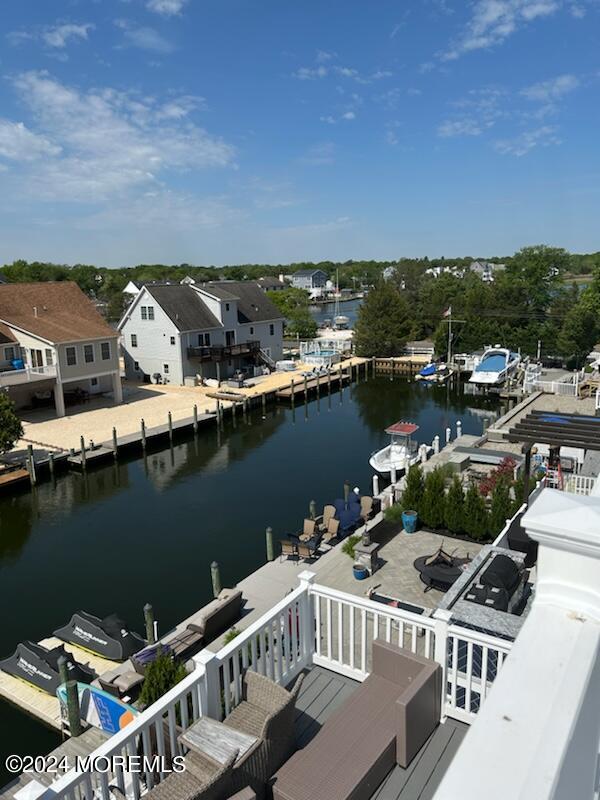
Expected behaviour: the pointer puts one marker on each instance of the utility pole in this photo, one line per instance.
(450, 337)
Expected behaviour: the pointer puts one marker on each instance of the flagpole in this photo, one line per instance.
(450, 335)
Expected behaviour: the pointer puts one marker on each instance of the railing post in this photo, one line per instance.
(209, 686)
(442, 619)
(307, 579)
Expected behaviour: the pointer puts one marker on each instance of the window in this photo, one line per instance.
(226, 306)
(204, 340)
(144, 312)
(71, 356)
(105, 350)
(9, 353)
(150, 312)
(272, 329)
(251, 331)
(136, 366)
(134, 339)
(94, 381)
(49, 357)
(166, 369)
(88, 353)
(172, 340)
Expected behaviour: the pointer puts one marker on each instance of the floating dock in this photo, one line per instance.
(40, 704)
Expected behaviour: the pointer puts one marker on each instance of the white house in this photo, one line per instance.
(55, 346)
(486, 270)
(179, 334)
(309, 279)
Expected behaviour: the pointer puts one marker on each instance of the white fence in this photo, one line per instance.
(14, 377)
(312, 625)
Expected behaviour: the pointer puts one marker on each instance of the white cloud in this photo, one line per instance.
(551, 90)
(527, 141)
(311, 73)
(18, 143)
(111, 142)
(323, 56)
(168, 8)
(144, 38)
(493, 21)
(319, 154)
(467, 126)
(348, 115)
(60, 35)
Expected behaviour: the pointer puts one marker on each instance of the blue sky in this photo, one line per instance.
(232, 131)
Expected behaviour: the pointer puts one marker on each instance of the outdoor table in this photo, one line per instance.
(215, 740)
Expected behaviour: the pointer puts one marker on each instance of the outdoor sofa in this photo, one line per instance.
(384, 722)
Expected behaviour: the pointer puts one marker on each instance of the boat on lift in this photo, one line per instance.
(400, 448)
(496, 365)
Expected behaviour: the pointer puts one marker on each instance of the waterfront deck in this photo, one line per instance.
(309, 386)
(72, 748)
(323, 692)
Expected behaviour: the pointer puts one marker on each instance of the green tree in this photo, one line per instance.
(413, 491)
(501, 507)
(475, 514)
(431, 508)
(161, 675)
(384, 323)
(454, 507)
(300, 324)
(11, 429)
(579, 332)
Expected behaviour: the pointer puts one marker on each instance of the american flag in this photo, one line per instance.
(448, 311)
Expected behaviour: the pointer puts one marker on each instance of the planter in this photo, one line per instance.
(360, 572)
(409, 521)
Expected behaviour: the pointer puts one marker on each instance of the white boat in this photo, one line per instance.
(435, 373)
(400, 448)
(496, 365)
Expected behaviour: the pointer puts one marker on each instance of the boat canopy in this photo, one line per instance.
(108, 637)
(402, 429)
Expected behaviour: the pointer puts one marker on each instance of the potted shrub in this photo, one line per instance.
(411, 498)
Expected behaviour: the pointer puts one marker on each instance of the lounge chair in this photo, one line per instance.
(309, 548)
(266, 711)
(308, 531)
(323, 520)
(366, 507)
(440, 570)
(332, 531)
(289, 547)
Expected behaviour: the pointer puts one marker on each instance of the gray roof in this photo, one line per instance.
(183, 306)
(307, 272)
(269, 281)
(218, 290)
(252, 303)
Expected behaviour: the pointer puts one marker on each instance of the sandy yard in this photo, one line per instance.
(95, 420)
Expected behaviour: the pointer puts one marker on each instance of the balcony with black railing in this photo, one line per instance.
(223, 352)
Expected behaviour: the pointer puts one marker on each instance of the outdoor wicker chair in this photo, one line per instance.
(366, 507)
(289, 548)
(267, 712)
(308, 531)
(202, 779)
(328, 514)
(332, 531)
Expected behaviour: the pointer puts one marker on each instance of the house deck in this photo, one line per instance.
(324, 691)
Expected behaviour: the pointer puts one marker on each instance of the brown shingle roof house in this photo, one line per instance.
(55, 311)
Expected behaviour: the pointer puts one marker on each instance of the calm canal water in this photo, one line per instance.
(324, 311)
(147, 529)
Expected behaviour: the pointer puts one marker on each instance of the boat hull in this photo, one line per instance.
(382, 462)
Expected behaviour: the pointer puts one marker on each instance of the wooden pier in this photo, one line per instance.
(90, 458)
(402, 366)
(11, 477)
(299, 385)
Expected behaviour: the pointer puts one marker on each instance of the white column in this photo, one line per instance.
(307, 578)
(448, 434)
(210, 690)
(117, 388)
(375, 485)
(436, 444)
(59, 399)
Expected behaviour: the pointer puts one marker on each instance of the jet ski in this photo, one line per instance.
(108, 637)
(38, 666)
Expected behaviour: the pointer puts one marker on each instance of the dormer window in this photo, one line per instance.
(226, 306)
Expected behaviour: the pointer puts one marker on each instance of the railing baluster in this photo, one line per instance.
(147, 752)
(340, 626)
(413, 640)
(236, 677)
(172, 730)
(271, 652)
(295, 623)
(351, 643)
(226, 686)
(469, 676)
(454, 671)
(253, 654)
(329, 650)
(135, 781)
(484, 672)
(363, 641)
(427, 643)
(317, 601)
(388, 629)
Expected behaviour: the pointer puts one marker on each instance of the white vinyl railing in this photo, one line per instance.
(312, 625)
(14, 377)
(578, 484)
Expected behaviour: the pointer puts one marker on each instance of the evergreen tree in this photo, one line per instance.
(161, 675)
(454, 508)
(500, 509)
(413, 491)
(11, 429)
(475, 522)
(384, 323)
(431, 510)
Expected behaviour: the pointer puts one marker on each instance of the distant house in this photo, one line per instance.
(309, 279)
(177, 334)
(54, 345)
(133, 288)
(486, 270)
(187, 281)
(270, 284)
(388, 273)
(445, 269)
(422, 347)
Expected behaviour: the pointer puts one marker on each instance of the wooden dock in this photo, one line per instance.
(11, 477)
(299, 385)
(40, 704)
(92, 458)
(82, 746)
(401, 366)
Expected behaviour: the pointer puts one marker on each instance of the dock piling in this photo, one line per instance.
(215, 575)
(393, 475)
(264, 404)
(149, 620)
(485, 424)
(245, 409)
(195, 418)
(270, 547)
(458, 429)
(31, 464)
(115, 444)
(436, 444)
(170, 418)
(73, 711)
(312, 509)
(329, 381)
(143, 427)
(293, 394)
(373, 367)
(305, 389)
(448, 435)
(51, 464)
(375, 485)
(83, 454)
